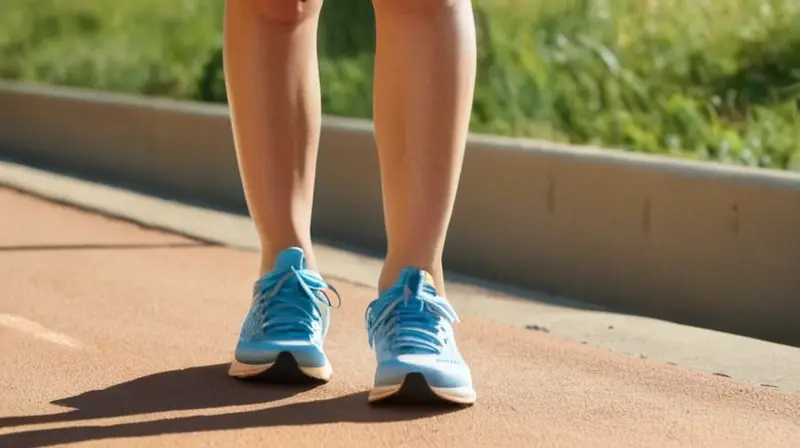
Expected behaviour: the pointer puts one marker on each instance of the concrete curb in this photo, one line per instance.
(701, 244)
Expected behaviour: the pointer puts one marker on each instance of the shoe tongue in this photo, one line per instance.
(415, 279)
(291, 258)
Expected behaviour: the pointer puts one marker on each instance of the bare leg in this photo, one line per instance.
(271, 72)
(424, 81)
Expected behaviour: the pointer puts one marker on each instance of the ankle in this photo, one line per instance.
(392, 268)
(269, 254)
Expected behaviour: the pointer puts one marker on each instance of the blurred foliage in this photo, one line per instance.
(702, 79)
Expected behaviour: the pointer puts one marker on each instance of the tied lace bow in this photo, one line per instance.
(284, 313)
(409, 320)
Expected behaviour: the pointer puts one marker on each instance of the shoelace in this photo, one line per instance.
(409, 321)
(278, 303)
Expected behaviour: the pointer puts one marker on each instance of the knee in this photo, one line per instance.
(283, 11)
(418, 6)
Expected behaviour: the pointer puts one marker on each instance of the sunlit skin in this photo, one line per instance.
(424, 82)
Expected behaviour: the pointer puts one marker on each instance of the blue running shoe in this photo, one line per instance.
(410, 330)
(282, 336)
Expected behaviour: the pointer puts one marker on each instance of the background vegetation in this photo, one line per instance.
(704, 79)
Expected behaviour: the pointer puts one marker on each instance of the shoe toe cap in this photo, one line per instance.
(305, 353)
(438, 372)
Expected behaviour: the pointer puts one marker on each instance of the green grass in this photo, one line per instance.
(703, 79)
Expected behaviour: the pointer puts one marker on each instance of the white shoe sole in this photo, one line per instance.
(415, 388)
(285, 368)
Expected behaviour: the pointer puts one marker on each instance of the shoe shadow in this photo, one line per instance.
(203, 387)
(197, 388)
